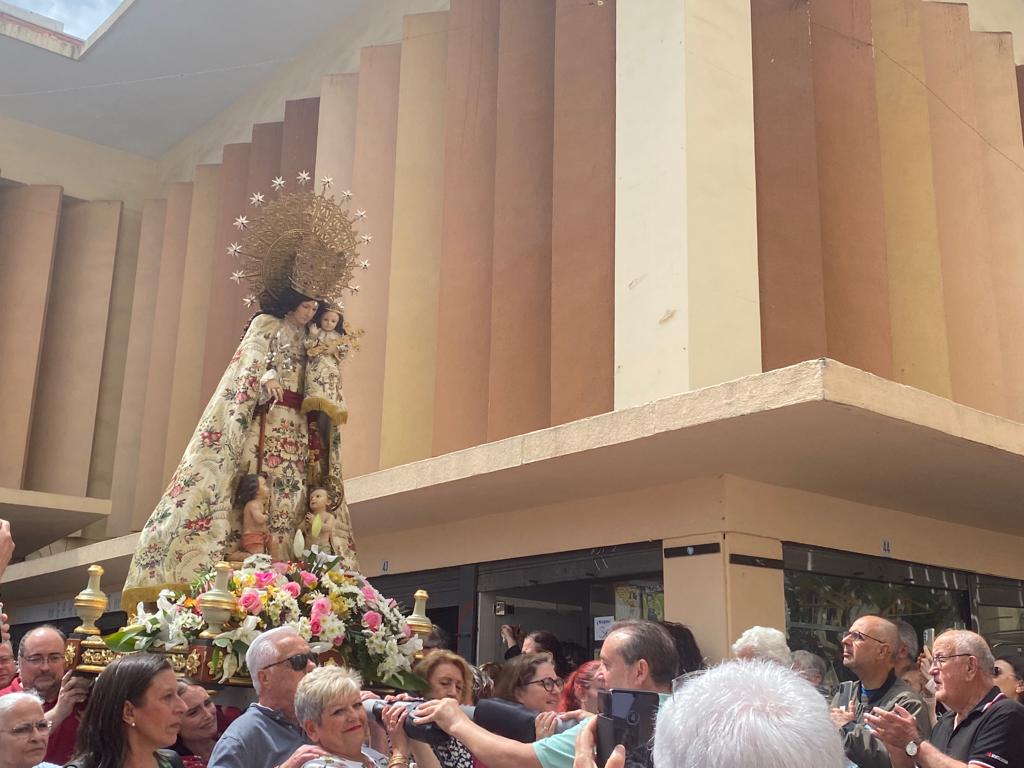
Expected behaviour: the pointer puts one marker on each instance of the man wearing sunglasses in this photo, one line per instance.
(870, 650)
(267, 735)
(982, 727)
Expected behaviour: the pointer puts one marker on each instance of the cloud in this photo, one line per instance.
(81, 17)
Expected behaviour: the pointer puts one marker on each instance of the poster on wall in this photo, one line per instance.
(628, 602)
(601, 626)
(654, 605)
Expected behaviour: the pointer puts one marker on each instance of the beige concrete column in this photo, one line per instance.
(408, 410)
(151, 477)
(788, 214)
(694, 575)
(29, 217)
(1003, 156)
(227, 314)
(920, 350)
(583, 212)
(520, 375)
(975, 362)
(754, 583)
(651, 316)
(115, 355)
(186, 397)
(299, 137)
(373, 190)
(724, 318)
(67, 395)
(265, 160)
(336, 129)
(124, 515)
(464, 303)
(855, 274)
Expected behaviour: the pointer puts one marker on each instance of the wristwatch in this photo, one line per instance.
(912, 747)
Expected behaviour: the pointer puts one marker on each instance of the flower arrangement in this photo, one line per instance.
(334, 610)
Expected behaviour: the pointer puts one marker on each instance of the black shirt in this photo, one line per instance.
(991, 736)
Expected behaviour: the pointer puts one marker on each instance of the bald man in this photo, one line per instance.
(870, 650)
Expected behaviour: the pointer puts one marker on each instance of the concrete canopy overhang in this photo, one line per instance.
(818, 426)
(63, 515)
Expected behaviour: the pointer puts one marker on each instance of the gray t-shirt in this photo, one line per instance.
(260, 738)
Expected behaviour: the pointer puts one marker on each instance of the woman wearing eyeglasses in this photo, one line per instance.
(1009, 676)
(530, 679)
(24, 731)
(134, 712)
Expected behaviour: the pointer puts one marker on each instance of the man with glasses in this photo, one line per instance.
(41, 670)
(267, 735)
(982, 727)
(870, 650)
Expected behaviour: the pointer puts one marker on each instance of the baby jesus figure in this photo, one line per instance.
(320, 521)
(252, 496)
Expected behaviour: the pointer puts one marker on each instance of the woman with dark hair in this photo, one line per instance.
(1009, 676)
(134, 711)
(252, 425)
(538, 641)
(199, 728)
(690, 657)
(530, 679)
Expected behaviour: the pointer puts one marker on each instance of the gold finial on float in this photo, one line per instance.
(417, 620)
(218, 604)
(91, 602)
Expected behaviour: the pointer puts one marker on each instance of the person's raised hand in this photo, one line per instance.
(544, 724)
(896, 729)
(843, 715)
(303, 755)
(74, 690)
(6, 545)
(445, 712)
(586, 740)
(924, 662)
(394, 721)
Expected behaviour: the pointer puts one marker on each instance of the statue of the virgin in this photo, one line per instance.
(301, 250)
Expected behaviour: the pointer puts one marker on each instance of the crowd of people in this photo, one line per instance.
(953, 704)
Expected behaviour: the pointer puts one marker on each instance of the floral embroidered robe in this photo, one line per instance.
(194, 524)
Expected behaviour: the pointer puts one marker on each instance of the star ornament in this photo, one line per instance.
(364, 264)
(327, 182)
(360, 214)
(354, 289)
(346, 194)
(277, 183)
(241, 223)
(256, 199)
(249, 300)
(237, 276)
(303, 178)
(234, 249)
(365, 239)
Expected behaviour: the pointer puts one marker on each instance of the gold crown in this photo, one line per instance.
(302, 240)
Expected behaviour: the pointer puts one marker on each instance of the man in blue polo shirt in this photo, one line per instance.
(635, 654)
(982, 727)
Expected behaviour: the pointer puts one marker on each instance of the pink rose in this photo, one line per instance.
(407, 631)
(176, 490)
(273, 460)
(372, 620)
(315, 627)
(241, 397)
(321, 607)
(339, 640)
(292, 588)
(308, 578)
(281, 568)
(251, 602)
(392, 603)
(370, 593)
(264, 578)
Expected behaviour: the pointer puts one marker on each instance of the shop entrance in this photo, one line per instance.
(577, 595)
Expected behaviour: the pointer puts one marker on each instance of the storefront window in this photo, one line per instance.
(820, 608)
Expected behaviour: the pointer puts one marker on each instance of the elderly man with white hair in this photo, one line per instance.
(268, 734)
(981, 727)
(763, 643)
(24, 731)
(736, 715)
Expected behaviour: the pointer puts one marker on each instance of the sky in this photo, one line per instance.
(81, 17)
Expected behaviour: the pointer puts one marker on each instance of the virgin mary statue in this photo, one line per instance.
(301, 249)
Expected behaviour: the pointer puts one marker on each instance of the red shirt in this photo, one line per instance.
(62, 738)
